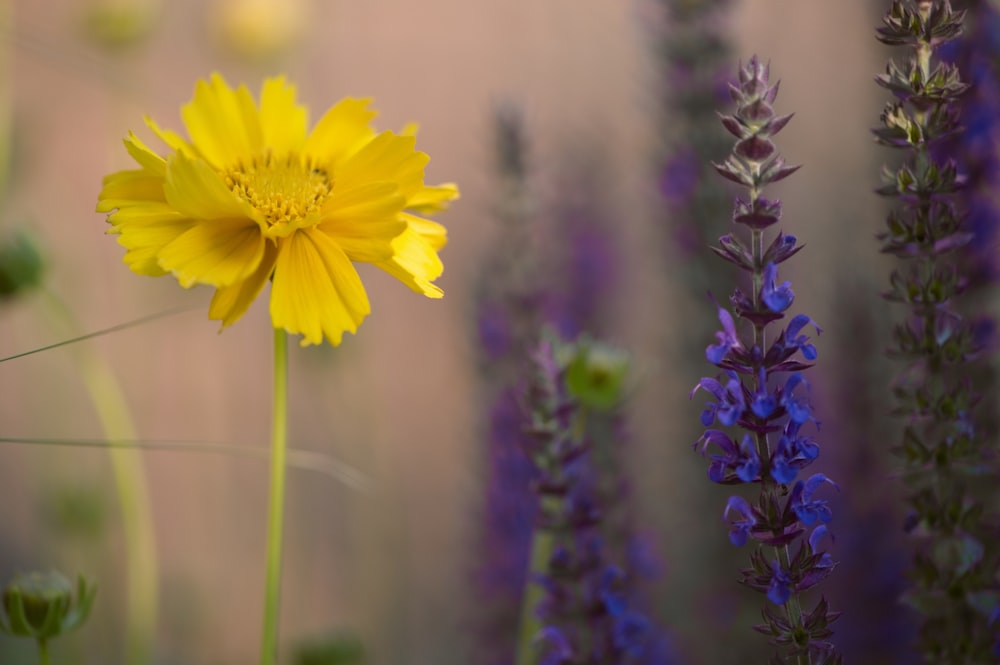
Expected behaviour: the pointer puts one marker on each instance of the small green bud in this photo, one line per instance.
(41, 605)
(21, 264)
(596, 374)
(120, 24)
(76, 511)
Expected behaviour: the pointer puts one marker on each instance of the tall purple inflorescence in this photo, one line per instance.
(760, 399)
(581, 611)
(525, 288)
(949, 457)
(508, 318)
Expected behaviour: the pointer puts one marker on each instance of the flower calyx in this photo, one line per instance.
(42, 606)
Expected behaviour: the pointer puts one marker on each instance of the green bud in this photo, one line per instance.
(120, 24)
(21, 264)
(76, 511)
(596, 374)
(41, 605)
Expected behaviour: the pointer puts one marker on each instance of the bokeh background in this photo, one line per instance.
(404, 402)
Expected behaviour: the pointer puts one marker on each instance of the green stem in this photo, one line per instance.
(276, 505)
(43, 652)
(542, 544)
(130, 481)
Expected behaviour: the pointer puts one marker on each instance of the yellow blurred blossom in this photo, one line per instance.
(258, 29)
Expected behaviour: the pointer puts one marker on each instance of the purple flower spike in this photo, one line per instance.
(777, 298)
(572, 492)
(739, 530)
(765, 395)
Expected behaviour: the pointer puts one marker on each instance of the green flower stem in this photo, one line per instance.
(130, 481)
(542, 545)
(276, 504)
(43, 653)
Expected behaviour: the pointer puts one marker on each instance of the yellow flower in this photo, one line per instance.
(255, 196)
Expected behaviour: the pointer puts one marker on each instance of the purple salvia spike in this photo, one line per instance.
(757, 398)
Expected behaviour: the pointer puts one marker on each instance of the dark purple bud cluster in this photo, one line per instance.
(762, 394)
(949, 464)
(585, 611)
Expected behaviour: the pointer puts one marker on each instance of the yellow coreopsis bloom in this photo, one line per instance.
(253, 195)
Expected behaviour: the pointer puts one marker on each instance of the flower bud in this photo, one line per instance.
(120, 24)
(41, 605)
(21, 264)
(596, 374)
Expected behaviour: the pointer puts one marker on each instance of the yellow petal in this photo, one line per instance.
(144, 229)
(415, 262)
(219, 252)
(363, 221)
(283, 122)
(386, 158)
(173, 140)
(317, 293)
(145, 157)
(138, 215)
(340, 133)
(127, 187)
(432, 199)
(196, 190)
(230, 302)
(223, 123)
(433, 233)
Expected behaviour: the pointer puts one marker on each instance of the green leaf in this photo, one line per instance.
(958, 553)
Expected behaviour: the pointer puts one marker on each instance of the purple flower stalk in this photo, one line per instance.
(523, 287)
(580, 611)
(949, 459)
(508, 305)
(762, 395)
(695, 51)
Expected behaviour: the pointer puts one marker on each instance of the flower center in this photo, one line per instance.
(284, 191)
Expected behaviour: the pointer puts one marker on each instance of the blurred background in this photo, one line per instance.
(592, 90)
